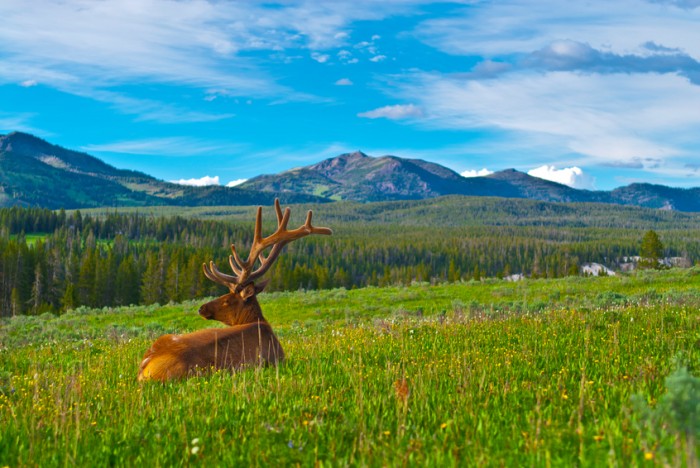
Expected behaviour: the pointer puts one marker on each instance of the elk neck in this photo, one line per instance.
(250, 312)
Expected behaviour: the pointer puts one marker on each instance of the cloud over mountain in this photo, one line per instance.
(571, 176)
(201, 182)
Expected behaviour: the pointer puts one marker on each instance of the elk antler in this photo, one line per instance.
(243, 270)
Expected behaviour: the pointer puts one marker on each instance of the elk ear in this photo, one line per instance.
(261, 286)
(248, 291)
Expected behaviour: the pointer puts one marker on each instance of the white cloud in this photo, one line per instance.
(201, 182)
(497, 28)
(378, 58)
(320, 58)
(82, 49)
(28, 83)
(594, 119)
(476, 173)
(344, 82)
(236, 182)
(395, 112)
(571, 176)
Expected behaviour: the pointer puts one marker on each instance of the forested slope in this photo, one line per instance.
(57, 260)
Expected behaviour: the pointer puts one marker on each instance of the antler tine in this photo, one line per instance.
(316, 230)
(277, 240)
(322, 230)
(235, 261)
(257, 236)
(234, 267)
(266, 262)
(278, 211)
(228, 279)
(211, 273)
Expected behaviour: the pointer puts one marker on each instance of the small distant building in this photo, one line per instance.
(630, 263)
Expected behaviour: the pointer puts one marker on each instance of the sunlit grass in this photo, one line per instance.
(416, 375)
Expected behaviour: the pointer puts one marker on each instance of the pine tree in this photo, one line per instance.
(651, 251)
(126, 283)
(152, 290)
(37, 296)
(16, 302)
(68, 301)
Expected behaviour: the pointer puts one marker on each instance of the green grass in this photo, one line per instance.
(33, 238)
(492, 373)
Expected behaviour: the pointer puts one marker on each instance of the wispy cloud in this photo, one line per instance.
(511, 27)
(395, 112)
(344, 82)
(602, 118)
(571, 176)
(570, 55)
(320, 58)
(20, 123)
(198, 43)
(81, 47)
(169, 146)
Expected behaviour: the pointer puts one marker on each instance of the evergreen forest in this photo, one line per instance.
(53, 261)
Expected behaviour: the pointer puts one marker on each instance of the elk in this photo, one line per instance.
(248, 339)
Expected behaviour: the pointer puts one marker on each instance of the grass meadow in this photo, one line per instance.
(559, 372)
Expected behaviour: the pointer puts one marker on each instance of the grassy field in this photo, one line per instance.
(538, 373)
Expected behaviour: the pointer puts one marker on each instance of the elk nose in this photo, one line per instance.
(204, 312)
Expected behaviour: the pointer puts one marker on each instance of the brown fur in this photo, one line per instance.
(248, 340)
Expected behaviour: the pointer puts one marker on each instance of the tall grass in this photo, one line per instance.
(535, 373)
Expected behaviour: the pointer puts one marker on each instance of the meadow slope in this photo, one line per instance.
(475, 373)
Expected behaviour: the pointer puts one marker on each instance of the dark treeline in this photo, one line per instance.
(55, 261)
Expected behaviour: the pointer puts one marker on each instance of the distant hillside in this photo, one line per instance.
(34, 172)
(658, 196)
(358, 177)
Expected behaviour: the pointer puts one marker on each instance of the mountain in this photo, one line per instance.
(658, 196)
(358, 177)
(34, 172)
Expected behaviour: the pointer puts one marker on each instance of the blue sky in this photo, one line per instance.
(593, 94)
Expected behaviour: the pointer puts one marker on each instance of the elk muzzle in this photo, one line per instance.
(206, 312)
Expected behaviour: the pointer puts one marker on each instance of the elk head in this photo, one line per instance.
(240, 305)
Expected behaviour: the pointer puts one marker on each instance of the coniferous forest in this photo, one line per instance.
(53, 261)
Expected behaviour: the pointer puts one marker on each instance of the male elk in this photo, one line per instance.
(249, 338)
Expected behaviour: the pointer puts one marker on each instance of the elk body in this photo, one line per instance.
(248, 339)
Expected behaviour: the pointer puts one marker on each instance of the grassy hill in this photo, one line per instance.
(480, 373)
(33, 172)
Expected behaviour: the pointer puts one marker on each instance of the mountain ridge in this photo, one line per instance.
(34, 172)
